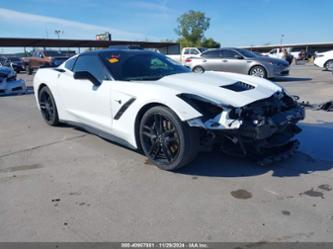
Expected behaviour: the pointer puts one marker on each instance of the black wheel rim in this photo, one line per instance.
(329, 65)
(160, 139)
(47, 106)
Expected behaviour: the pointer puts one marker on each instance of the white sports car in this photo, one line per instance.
(148, 102)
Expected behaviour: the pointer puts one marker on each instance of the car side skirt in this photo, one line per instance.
(100, 133)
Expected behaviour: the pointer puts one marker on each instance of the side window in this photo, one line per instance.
(93, 65)
(70, 63)
(156, 64)
(229, 54)
(187, 51)
(273, 51)
(194, 51)
(214, 54)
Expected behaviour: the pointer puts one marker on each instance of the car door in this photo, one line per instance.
(186, 54)
(83, 101)
(211, 60)
(232, 61)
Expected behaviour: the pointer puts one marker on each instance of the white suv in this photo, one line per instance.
(324, 60)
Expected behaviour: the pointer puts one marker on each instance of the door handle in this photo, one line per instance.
(224, 60)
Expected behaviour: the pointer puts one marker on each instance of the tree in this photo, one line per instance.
(210, 43)
(191, 28)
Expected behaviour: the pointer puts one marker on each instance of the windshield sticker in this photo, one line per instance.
(114, 58)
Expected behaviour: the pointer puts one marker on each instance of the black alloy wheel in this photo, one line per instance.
(165, 140)
(329, 65)
(48, 107)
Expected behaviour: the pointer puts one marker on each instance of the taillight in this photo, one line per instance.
(188, 60)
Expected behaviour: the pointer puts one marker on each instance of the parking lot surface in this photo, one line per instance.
(63, 184)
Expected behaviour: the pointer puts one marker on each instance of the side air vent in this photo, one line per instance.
(238, 87)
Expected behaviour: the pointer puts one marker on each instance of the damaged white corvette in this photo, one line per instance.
(148, 102)
(8, 82)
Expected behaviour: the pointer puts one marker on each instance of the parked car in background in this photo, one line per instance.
(298, 53)
(42, 58)
(280, 53)
(14, 62)
(186, 53)
(238, 60)
(17, 64)
(3, 61)
(147, 101)
(324, 60)
(8, 82)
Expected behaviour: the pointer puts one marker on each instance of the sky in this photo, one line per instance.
(233, 22)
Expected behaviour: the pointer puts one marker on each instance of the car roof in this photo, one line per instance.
(217, 49)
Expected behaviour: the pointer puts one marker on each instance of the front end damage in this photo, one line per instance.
(263, 130)
(9, 84)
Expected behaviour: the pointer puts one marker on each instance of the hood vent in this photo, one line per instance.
(238, 87)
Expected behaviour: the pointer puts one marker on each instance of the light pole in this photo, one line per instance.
(281, 39)
(58, 32)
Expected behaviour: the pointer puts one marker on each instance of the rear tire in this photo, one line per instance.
(48, 106)
(167, 141)
(258, 71)
(198, 69)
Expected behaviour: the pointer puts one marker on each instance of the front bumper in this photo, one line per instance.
(13, 87)
(279, 71)
(273, 124)
(265, 138)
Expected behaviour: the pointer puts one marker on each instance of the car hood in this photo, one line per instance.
(210, 85)
(330, 52)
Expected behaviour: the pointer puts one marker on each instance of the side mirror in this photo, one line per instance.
(85, 75)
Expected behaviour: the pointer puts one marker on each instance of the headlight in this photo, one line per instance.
(274, 63)
(207, 108)
(283, 90)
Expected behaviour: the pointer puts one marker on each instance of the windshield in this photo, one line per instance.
(140, 65)
(246, 53)
(202, 49)
(53, 53)
(16, 59)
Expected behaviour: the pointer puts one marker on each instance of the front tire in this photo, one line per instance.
(258, 71)
(48, 106)
(167, 141)
(329, 64)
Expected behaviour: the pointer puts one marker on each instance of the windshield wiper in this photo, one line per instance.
(156, 77)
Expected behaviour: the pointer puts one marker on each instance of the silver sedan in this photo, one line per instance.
(238, 61)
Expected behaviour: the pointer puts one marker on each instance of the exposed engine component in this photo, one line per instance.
(262, 130)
